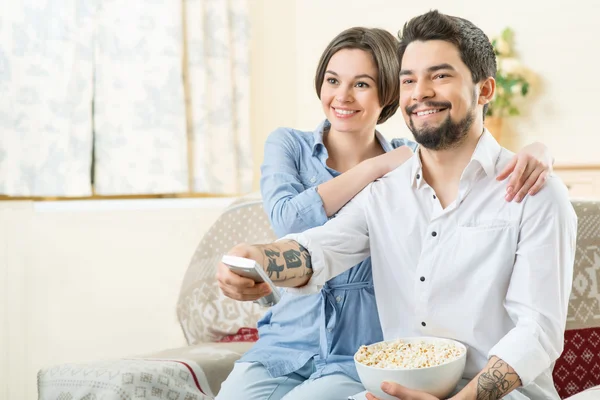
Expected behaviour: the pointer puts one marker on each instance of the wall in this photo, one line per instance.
(273, 72)
(83, 281)
(556, 39)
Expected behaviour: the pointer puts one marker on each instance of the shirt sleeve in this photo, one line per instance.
(540, 286)
(338, 245)
(291, 208)
(398, 142)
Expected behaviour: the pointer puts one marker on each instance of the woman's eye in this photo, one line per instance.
(332, 81)
(362, 85)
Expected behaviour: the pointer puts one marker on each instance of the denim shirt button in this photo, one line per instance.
(313, 179)
(338, 299)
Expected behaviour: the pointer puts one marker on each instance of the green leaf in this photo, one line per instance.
(525, 88)
(512, 111)
(508, 35)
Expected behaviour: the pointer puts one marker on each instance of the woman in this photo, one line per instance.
(307, 342)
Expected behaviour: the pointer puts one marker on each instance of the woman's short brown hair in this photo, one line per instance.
(383, 47)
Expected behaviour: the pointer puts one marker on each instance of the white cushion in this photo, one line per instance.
(204, 313)
(189, 373)
(589, 394)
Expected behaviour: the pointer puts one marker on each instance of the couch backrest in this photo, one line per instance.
(579, 365)
(204, 313)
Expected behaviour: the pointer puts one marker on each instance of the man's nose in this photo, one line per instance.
(422, 91)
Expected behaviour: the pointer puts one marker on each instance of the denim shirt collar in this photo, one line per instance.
(319, 146)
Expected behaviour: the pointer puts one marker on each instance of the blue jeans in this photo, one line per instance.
(251, 381)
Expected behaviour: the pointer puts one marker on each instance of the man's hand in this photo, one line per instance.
(401, 392)
(530, 169)
(238, 287)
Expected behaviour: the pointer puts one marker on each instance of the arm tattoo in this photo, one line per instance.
(286, 260)
(497, 381)
(306, 256)
(272, 266)
(292, 258)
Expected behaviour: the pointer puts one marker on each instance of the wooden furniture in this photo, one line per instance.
(583, 180)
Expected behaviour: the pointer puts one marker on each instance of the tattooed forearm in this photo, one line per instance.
(497, 380)
(306, 257)
(287, 263)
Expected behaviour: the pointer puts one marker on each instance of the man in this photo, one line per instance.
(450, 257)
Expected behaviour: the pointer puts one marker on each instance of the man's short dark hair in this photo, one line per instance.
(473, 45)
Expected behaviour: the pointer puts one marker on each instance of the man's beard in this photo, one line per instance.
(445, 136)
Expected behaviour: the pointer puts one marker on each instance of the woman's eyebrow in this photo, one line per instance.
(356, 77)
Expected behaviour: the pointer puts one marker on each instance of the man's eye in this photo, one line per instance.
(439, 76)
(407, 81)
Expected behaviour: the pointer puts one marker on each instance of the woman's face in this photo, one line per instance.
(349, 94)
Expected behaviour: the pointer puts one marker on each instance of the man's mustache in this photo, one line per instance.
(430, 104)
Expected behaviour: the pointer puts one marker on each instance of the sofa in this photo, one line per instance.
(219, 330)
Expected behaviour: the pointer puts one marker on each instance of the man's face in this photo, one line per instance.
(437, 95)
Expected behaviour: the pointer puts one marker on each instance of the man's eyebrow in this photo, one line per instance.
(356, 77)
(440, 66)
(433, 68)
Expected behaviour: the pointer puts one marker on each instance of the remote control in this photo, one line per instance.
(251, 269)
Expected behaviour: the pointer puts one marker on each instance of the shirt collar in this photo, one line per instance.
(486, 155)
(318, 137)
(320, 130)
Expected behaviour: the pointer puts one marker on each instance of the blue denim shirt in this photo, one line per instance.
(329, 326)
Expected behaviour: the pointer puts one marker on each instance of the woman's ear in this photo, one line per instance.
(487, 88)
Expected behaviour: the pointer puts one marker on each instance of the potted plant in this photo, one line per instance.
(512, 83)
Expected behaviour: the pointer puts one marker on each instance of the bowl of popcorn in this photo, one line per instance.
(429, 364)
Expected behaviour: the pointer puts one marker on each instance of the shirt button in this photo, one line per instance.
(434, 197)
(423, 323)
(418, 176)
(329, 329)
(313, 179)
(338, 299)
(422, 279)
(434, 234)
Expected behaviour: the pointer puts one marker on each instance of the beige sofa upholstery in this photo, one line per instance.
(216, 328)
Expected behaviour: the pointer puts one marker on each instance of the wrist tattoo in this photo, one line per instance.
(497, 381)
(286, 260)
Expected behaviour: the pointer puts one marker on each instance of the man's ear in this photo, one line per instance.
(487, 88)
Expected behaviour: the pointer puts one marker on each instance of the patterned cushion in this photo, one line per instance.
(578, 368)
(190, 373)
(204, 313)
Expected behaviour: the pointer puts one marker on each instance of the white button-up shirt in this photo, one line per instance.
(492, 274)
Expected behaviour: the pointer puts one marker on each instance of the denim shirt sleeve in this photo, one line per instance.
(291, 208)
(404, 142)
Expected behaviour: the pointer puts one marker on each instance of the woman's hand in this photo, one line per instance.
(237, 287)
(529, 168)
(391, 160)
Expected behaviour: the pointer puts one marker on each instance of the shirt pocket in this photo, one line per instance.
(478, 226)
(486, 248)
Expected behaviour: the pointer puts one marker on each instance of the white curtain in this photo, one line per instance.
(139, 109)
(120, 71)
(218, 70)
(46, 54)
